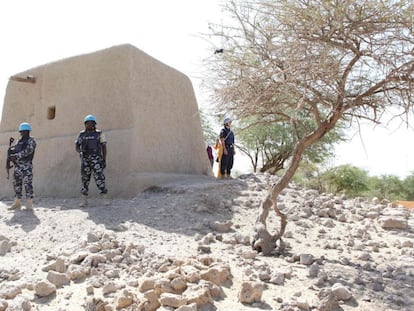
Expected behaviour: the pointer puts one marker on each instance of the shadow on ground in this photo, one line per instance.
(178, 207)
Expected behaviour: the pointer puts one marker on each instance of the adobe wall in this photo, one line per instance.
(147, 110)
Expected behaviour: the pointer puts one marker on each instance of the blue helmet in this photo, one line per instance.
(89, 117)
(24, 127)
(227, 120)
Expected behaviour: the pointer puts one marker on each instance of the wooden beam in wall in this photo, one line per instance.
(30, 79)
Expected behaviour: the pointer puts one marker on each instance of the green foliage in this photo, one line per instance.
(352, 181)
(308, 175)
(387, 187)
(208, 132)
(308, 66)
(272, 144)
(346, 179)
(408, 185)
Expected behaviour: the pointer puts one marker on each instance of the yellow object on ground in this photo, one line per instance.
(219, 148)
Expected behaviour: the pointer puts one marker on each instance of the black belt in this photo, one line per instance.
(92, 152)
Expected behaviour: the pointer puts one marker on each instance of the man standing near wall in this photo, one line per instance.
(91, 146)
(227, 142)
(22, 156)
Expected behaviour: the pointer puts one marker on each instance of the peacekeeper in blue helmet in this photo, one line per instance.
(91, 146)
(22, 155)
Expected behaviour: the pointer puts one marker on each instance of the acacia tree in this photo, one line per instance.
(272, 144)
(346, 179)
(294, 60)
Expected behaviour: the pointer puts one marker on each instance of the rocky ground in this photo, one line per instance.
(186, 246)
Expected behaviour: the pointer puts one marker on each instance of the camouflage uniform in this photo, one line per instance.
(89, 145)
(23, 168)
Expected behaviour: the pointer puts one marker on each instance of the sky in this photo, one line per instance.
(35, 33)
(380, 150)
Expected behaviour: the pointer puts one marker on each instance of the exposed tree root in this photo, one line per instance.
(262, 240)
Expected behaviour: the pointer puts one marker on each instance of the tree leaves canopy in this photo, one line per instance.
(311, 64)
(291, 60)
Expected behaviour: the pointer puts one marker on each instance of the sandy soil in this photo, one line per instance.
(172, 222)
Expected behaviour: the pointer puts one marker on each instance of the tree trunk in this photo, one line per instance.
(262, 240)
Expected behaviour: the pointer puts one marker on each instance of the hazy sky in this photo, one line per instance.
(380, 150)
(34, 33)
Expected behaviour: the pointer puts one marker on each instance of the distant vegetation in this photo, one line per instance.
(264, 145)
(306, 68)
(352, 181)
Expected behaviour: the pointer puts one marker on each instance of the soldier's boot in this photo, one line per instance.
(17, 204)
(106, 200)
(84, 201)
(29, 204)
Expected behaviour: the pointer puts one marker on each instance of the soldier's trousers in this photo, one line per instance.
(23, 175)
(226, 163)
(92, 164)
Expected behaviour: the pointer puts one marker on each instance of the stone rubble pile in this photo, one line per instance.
(340, 253)
(5, 245)
(124, 275)
(354, 229)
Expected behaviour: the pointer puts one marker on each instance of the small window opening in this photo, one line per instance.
(51, 112)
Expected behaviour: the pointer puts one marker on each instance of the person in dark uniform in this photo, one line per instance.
(227, 142)
(91, 146)
(22, 156)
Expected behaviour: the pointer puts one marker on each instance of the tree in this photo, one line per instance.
(347, 179)
(308, 175)
(310, 64)
(272, 145)
(208, 132)
(408, 185)
(387, 187)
